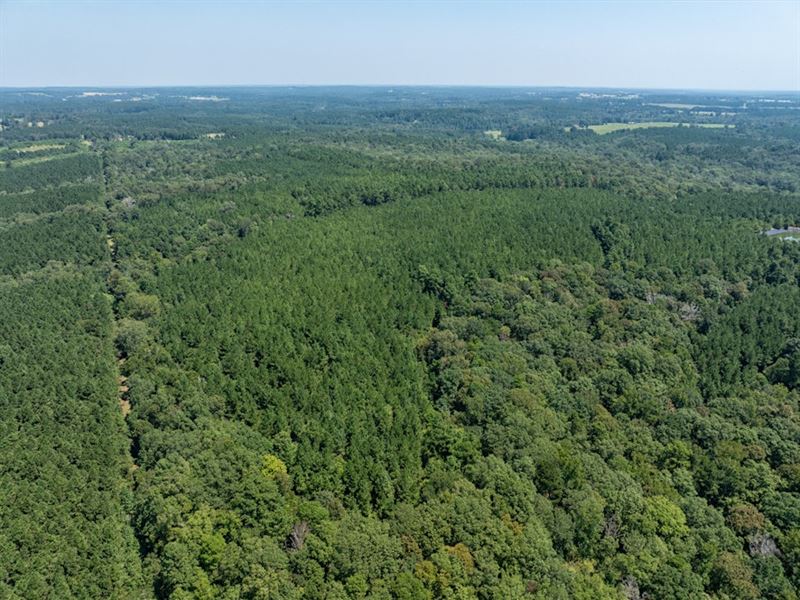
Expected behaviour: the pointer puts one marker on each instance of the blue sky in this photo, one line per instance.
(697, 45)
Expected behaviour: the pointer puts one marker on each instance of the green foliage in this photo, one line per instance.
(82, 167)
(48, 199)
(371, 352)
(63, 495)
(73, 237)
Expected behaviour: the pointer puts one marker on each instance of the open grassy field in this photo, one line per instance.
(612, 127)
(674, 105)
(39, 148)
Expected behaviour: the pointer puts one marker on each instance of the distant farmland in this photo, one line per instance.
(612, 127)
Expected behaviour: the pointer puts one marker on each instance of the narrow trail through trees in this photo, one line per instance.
(123, 388)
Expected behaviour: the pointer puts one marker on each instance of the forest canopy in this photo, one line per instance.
(337, 343)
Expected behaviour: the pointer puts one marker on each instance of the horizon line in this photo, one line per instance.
(396, 85)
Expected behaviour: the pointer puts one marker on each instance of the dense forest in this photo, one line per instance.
(410, 343)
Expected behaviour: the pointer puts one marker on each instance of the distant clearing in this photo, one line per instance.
(675, 105)
(205, 98)
(39, 159)
(92, 94)
(612, 127)
(39, 148)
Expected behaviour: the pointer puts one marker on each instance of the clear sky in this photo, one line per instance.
(699, 45)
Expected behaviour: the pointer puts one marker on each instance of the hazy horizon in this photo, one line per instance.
(212, 86)
(669, 46)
